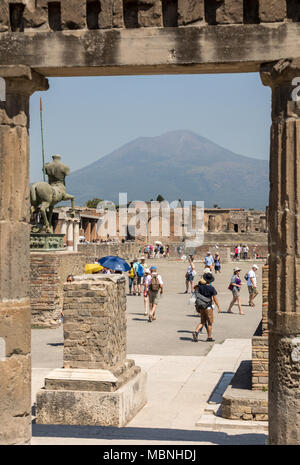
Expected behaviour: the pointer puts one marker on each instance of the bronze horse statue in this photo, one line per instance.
(44, 196)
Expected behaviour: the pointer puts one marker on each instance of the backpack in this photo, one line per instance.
(154, 284)
(202, 301)
(140, 270)
(132, 272)
(246, 277)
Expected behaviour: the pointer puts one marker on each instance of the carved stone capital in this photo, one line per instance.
(283, 77)
(280, 73)
(26, 85)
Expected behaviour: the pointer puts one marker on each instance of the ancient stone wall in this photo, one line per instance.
(127, 250)
(48, 273)
(260, 344)
(95, 322)
(28, 15)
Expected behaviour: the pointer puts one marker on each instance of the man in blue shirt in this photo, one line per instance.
(209, 261)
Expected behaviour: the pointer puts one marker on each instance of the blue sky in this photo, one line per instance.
(87, 118)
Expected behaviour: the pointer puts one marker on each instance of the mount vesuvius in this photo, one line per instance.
(177, 165)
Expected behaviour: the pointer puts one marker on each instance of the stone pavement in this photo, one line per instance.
(182, 375)
(178, 390)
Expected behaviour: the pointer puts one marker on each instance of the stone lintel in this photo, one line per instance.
(221, 48)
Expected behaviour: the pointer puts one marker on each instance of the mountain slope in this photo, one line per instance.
(178, 164)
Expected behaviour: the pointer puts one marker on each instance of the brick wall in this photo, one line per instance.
(260, 347)
(48, 272)
(95, 322)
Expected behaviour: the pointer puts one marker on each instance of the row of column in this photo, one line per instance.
(71, 230)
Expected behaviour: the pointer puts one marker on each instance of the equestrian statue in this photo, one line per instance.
(45, 195)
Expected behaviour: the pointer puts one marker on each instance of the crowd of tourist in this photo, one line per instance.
(145, 280)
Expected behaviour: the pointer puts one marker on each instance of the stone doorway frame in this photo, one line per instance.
(272, 51)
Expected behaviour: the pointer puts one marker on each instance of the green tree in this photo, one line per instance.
(160, 198)
(93, 203)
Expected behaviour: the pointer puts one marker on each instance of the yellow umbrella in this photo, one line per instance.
(92, 268)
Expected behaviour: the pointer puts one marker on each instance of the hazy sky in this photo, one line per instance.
(87, 118)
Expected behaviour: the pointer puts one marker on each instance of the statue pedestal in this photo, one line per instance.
(44, 242)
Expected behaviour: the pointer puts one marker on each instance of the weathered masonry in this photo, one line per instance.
(40, 39)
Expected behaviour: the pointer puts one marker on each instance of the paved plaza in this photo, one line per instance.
(182, 374)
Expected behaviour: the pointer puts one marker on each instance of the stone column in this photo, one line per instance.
(98, 384)
(70, 235)
(63, 229)
(284, 249)
(75, 235)
(211, 223)
(15, 314)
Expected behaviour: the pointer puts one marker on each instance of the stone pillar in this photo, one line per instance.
(63, 229)
(94, 231)
(75, 235)
(87, 232)
(284, 249)
(98, 384)
(211, 223)
(249, 224)
(15, 315)
(70, 235)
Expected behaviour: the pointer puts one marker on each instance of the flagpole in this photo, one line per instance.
(42, 135)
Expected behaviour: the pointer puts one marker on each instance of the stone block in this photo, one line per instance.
(73, 14)
(272, 10)
(145, 13)
(14, 194)
(15, 395)
(97, 408)
(229, 11)
(15, 326)
(36, 15)
(4, 16)
(118, 21)
(190, 11)
(14, 257)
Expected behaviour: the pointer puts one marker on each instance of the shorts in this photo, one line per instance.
(252, 290)
(235, 292)
(153, 297)
(132, 281)
(207, 316)
(217, 268)
(139, 279)
(190, 277)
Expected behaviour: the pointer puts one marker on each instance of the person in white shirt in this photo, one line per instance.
(252, 285)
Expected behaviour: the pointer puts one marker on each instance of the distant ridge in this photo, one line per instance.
(177, 164)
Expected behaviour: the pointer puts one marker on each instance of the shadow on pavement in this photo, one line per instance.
(147, 434)
(55, 344)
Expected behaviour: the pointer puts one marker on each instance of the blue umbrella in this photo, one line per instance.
(114, 263)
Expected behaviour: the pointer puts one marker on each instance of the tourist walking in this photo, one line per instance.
(189, 276)
(154, 287)
(236, 253)
(209, 261)
(252, 284)
(139, 276)
(167, 251)
(206, 296)
(146, 293)
(217, 262)
(132, 279)
(235, 288)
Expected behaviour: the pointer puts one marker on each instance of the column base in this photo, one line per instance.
(83, 397)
